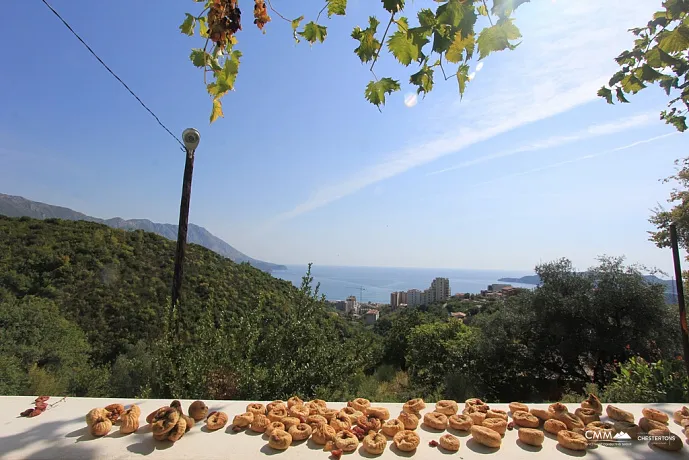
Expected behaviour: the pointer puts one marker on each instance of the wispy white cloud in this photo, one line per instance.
(575, 160)
(535, 82)
(558, 141)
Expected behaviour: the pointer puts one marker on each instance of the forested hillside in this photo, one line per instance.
(84, 310)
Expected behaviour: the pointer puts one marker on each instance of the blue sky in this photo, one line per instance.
(530, 166)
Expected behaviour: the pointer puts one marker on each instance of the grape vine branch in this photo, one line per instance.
(449, 33)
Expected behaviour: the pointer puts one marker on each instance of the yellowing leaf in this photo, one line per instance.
(462, 78)
(423, 79)
(376, 90)
(482, 10)
(188, 25)
(313, 32)
(676, 41)
(338, 7)
(458, 46)
(295, 26)
(217, 110)
(497, 38)
(368, 43)
(203, 27)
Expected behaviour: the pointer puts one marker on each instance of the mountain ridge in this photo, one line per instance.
(17, 206)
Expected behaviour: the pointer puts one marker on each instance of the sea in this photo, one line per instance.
(374, 284)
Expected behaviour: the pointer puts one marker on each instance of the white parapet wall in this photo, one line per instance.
(61, 433)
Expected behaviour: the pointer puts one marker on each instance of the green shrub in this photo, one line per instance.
(642, 382)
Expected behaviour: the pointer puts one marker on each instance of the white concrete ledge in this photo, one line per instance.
(60, 433)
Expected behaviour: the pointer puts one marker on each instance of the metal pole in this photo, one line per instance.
(680, 294)
(182, 229)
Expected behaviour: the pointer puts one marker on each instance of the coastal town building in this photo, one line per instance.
(413, 297)
(371, 316)
(351, 305)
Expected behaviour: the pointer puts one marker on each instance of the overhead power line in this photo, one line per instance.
(112, 73)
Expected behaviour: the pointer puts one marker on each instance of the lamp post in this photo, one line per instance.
(191, 138)
(674, 242)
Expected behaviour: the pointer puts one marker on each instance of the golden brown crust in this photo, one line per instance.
(542, 414)
(517, 406)
(290, 421)
(374, 443)
(114, 411)
(299, 411)
(260, 423)
(340, 422)
(621, 415)
(477, 417)
(572, 421)
(592, 402)
(101, 427)
(460, 422)
(198, 410)
(406, 440)
(314, 408)
(178, 430)
(586, 415)
(294, 401)
(279, 439)
(256, 408)
(531, 436)
(322, 434)
(558, 407)
(486, 436)
(378, 412)
(359, 404)
(129, 421)
(189, 421)
(369, 423)
(447, 407)
(346, 441)
(525, 419)
(554, 426)
(275, 426)
(392, 427)
(352, 413)
(410, 421)
(277, 414)
(278, 403)
(243, 420)
(435, 420)
(496, 413)
(571, 440)
(95, 415)
(315, 420)
(449, 442)
(473, 402)
(414, 406)
(647, 425)
(651, 414)
(300, 432)
(330, 413)
(216, 420)
(496, 424)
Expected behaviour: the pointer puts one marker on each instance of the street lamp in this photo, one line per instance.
(191, 139)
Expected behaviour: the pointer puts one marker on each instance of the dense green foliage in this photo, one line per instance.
(659, 382)
(84, 311)
(659, 56)
(445, 37)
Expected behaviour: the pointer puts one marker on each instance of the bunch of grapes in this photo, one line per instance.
(224, 20)
(40, 406)
(261, 17)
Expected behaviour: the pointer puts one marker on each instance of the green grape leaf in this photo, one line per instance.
(427, 18)
(497, 38)
(455, 12)
(605, 93)
(217, 110)
(203, 27)
(368, 43)
(648, 73)
(675, 41)
(198, 57)
(313, 32)
(188, 25)
(337, 7)
(620, 96)
(482, 10)
(393, 6)
(406, 46)
(295, 26)
(631, 84)
(442, 39)
(456, 51)
(376, 90)
(504, 8)
(423, 79)
(667, 83)
(462, 78)
(226, 77)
